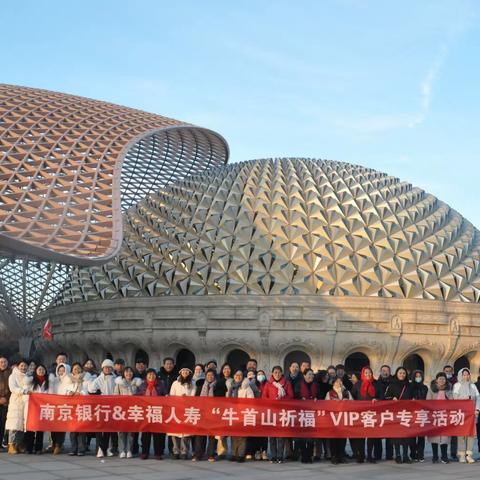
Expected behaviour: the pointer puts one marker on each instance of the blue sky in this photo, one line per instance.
(389, 85)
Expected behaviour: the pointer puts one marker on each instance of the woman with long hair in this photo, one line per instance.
(39, 384)
(182, 387)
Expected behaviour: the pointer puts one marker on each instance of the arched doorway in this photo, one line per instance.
(185, 358)
(141, 355)
(237, 359)
(413, 362)
(461, 362)
(355, 362)
(295, 356)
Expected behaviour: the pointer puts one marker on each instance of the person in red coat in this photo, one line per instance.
(307, 391)
(277, 388)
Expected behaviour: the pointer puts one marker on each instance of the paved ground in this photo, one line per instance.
(46, 467)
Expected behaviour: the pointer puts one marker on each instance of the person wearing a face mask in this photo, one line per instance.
(419, 392)
(257, 446)
(465, 389)
(440, 389)
(400, 389)
(337, 445)
(19, 388)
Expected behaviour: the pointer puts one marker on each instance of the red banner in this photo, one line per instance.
(250, 417)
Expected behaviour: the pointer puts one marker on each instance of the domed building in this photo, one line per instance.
(281, 259)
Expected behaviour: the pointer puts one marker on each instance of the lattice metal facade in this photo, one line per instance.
(61, 159)
(288, 227)
(68, 167)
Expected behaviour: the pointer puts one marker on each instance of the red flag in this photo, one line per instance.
(47, 331)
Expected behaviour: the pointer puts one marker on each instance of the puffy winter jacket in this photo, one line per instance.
(271, 391)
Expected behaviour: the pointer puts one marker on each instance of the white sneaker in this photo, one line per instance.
(123, 455)
(129, 455)
(264, 456)
(469, 458)
(100, 453)
(109, 452)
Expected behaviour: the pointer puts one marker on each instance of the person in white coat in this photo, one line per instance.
(239, 388)
(105, 383)
(78, 440)
(127, 384)
(465, 389)
(15, 424)
(60, 384)
(183, 386)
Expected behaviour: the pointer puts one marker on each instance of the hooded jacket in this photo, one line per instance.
(61, 385)
(466, 390)
(419, 390)
(19, 386)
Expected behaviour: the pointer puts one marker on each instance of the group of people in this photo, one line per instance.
(299, 382)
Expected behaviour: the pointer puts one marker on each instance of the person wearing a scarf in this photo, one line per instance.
(440, 389)
(337, 445)
(465, 389)
(205, 444)
(400, 389)
(78, 386)
(182, 387)
(419, 392)
(198, 373)
(152, 387)
(39, 383)
(239, 388)
(277, 388)
(365, 389)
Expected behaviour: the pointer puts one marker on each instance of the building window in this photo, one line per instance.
(237, 359)
(414, 362)
(355, 362)
(185, 358)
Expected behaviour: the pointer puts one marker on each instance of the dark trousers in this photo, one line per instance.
(417, 448)
(78, 442)
(200, 447)
(256, 444)
(58, 438)
(400, 447)
(443, 449)
(322, 448)
(3, 419)
(33, 442)
(306, 449)
(114, 442)
(158, 443)
(453, 447)
(358, 447)
(337, 448)
(103, 440)
(135, 443)
(239, 445)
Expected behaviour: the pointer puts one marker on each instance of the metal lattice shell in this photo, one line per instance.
(287, 227)
(61, 183)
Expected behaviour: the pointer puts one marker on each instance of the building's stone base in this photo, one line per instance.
(328, 329)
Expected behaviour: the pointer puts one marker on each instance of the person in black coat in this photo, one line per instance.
(419, 392)
(168, 373)
(383, 382)
(400, 389)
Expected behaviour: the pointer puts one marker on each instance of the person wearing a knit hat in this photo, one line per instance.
(105, 383)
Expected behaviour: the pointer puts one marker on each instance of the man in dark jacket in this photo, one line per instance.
(4, 396)
(452, 380)
(168, 373)
(419, 392)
